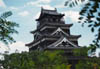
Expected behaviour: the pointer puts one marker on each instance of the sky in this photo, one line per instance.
(26, 11)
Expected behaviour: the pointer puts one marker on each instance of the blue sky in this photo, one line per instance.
(26, 11)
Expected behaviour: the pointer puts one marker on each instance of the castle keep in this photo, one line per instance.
(52, 33)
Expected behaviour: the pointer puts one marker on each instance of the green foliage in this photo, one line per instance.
(72, 3)
(35, 60)
(84, 65)
(7, 28)
(81, 51)
(90, 15)
(48, 60)
(6, 14)
(89, 63)
(18, 61)
(68, 66)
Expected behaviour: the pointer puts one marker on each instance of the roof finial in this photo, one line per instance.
(41, 8)
(55, 9)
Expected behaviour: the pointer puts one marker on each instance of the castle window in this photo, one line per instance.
(51, 20)
(46, 19)
(57, 20)
(54, 19)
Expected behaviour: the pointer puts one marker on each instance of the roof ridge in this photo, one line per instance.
(42, 9)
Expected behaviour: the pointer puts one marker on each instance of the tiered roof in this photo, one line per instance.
(45, 12)
(56, 39)
(49, 25)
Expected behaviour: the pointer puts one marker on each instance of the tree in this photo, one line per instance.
(35, 60)
(84, 51)
(90, 14)
(81, 51)
(7, 28)
(72, 3)
(18, 61)
(89, 63)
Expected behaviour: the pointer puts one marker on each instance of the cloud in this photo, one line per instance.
(32, 3)
(46, 7)
(18, 46)
(12, 48)
(98, 52)
(13, 8)
(60, 6)
(24, 13)
(45, 1)
(2, 4)
(37, 15)
(3, 47)
(73, 15)
(38, 2)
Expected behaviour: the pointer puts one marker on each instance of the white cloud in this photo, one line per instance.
(73, 15)
(46, 7)
(2, 4)
(12, 48)
(60, 6)
(46, 1)
(19, 46)
(32, 3)
(37, 15)
(38, 2)
(24, 13)
(3, 47)
(13, 8)
(98, 52)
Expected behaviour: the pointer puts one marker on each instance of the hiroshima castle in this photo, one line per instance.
(53, 33)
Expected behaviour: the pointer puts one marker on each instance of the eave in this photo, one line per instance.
(49, 25)
(43, 38)
(46, 14)
(62, 48)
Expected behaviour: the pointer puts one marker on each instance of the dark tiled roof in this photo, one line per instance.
(46, 36)
(61, 48)
(49, 12)
(53, 12)
(51, 24)
(50, 36)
